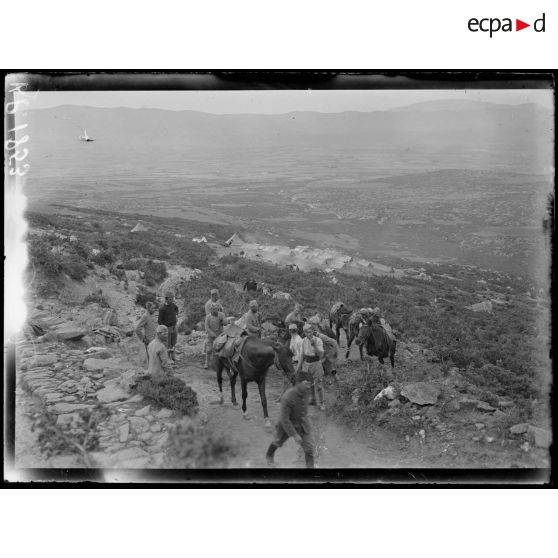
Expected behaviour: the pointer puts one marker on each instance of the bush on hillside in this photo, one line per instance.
(192, 446)
(169, 392)
(155, 273)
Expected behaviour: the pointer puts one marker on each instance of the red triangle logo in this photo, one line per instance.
(519, 25)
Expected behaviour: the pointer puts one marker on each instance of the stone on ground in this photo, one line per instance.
(519, 428)
(111, 394)
(540, 437)
(421, 393)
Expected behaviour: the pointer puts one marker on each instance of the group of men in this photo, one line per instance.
(159, 338)
(313, 355)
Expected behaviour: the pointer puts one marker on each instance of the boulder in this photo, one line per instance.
(388, 392)
(92, 364)
(41, 360)
(540, 437)
(421, 393)
(139, 424)
(98, 352)
(111, 393)
(469, 403)
(124, 432)
(143, 411)
(522, 428)
(61, 408)
(485, 407)
(69, 332)
(164, 413)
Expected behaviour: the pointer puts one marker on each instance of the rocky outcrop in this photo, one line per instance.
(421, 393)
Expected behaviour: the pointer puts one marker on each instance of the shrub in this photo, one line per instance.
(193, 447)
(155, 273)
(169, 392)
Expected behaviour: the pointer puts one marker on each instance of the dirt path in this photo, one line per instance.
(336, 446)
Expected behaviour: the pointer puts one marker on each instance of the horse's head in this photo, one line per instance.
(283, 358)
(364, 332)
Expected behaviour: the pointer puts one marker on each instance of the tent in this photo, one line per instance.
(234, 240)
(140, 227)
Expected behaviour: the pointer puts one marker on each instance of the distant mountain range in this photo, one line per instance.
(517, 135)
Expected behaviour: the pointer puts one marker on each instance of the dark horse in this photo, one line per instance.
(377, 342)
(256, 357)
(340, 318)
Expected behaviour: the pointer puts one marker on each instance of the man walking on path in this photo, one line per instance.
(168, 315)
(253, 320)
(146, 327)
(213, 328)
(293, 421)
(213, 300)
(159, 364)
(312, 354)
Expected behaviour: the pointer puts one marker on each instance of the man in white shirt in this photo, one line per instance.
(295, 345)
(213, 300)
(312, 354)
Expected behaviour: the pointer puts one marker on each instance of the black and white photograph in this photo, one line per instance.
(207, 274)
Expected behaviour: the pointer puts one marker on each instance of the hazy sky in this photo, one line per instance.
(279, 101)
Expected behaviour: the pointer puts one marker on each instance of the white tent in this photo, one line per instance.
(140, 227)
(234, 240)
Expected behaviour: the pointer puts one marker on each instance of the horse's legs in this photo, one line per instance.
(349, 341)
(219, 367)
(261, 388)
(244, 387)
(232, 378)
(392, 355)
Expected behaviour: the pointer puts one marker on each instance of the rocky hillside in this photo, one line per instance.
(469, 388)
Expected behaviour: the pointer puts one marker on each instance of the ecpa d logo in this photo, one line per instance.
(492, 25)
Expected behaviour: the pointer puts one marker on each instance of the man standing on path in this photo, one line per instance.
(293, 421)
(168, 315)
(312, 354)
(159, 364)
(213, 328)
(146, 327)
(253, 320)
(295, 345)
(213, 300)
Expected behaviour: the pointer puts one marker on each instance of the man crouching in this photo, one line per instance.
(159, 362)
(293, 420)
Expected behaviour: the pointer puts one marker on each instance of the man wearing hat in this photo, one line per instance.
(253, 320)
(295, 345)
(168, 315)
(312, 354)
(158, 363)
(293, 420)
(213, 328)
(213, 300)
(295, 316)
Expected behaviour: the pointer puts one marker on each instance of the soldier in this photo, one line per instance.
(213, 328)
(253, 320)
(312, 354)
(293, 421)
(168, 315)
(158, 360)
(214, 299)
